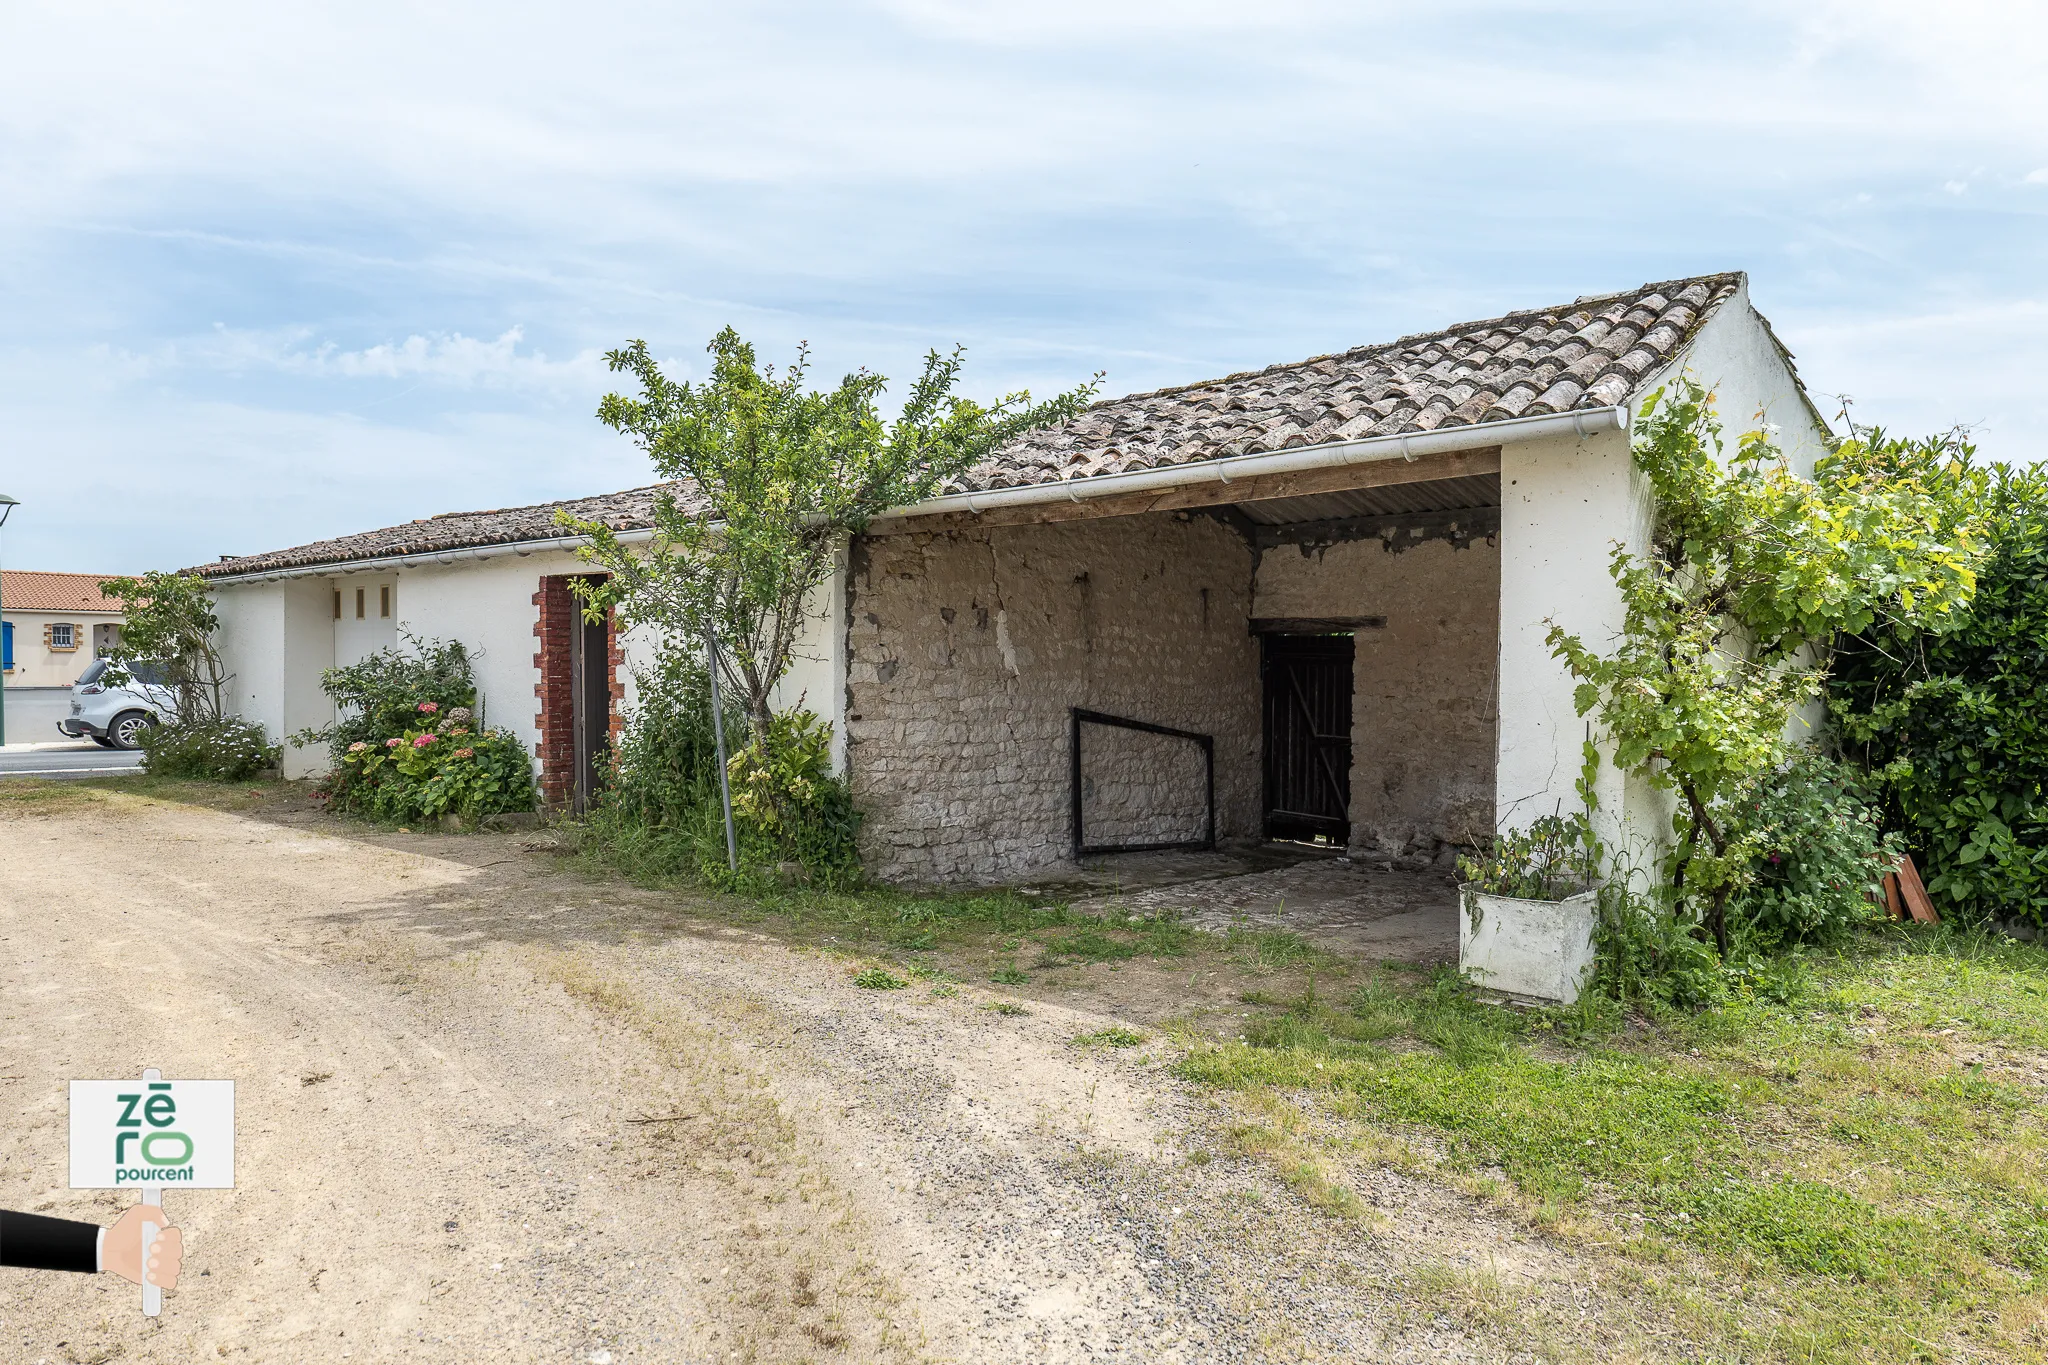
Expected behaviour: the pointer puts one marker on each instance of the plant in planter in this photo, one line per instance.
(1531, 902)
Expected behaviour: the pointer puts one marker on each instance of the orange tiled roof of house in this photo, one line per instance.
(27, 590)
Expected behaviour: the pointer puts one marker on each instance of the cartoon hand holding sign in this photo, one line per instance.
(30, 1241)
(148, 1134)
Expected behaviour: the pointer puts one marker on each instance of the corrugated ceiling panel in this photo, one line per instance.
(1431, 495)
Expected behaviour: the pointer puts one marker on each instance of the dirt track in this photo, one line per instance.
(489, 1111)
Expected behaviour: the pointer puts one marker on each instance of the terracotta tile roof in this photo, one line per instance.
(1589, 354)
(625, 511)
(27, 590)
(1592, 353)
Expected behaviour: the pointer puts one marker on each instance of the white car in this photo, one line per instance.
(114, 717)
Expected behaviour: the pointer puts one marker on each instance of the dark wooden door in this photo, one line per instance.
(1307, 685)
(591, 704)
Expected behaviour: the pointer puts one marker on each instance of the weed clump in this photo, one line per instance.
(1116, 1036)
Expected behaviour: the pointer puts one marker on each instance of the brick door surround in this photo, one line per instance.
(554, 628)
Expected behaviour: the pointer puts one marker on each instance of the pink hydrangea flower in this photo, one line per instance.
(465, 753)
(357, 747)
(430, 707)
(423, 741)
(393, 743)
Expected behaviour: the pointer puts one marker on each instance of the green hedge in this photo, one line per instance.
(1955, 723)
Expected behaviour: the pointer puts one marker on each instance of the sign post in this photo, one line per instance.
(732, 851)
(150, 1134)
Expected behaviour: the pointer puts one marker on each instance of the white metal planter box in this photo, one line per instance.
(1538, 951)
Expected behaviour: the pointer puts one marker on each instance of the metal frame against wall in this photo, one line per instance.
(1082, 848)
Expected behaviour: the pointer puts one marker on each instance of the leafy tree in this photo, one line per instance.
(1752, 573)
(168, 620)
(770, 478)
(1952, 719)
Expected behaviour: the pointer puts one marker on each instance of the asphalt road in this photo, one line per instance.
(32, 716)
(84, 759)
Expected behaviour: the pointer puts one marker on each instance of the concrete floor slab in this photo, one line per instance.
(1336, 904)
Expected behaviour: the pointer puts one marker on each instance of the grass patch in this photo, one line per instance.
(1868, 1162)
(1092, 945)
(1274, 950)
(1008, 976)
(879, 979)
(1009, 1009)
(1117, 1036)
(37, 793)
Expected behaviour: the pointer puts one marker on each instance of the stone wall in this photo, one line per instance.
(967, 648)
(1423, 710)
(1141, 788)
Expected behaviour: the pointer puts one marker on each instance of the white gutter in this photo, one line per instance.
(1369, 450)
(521, 548)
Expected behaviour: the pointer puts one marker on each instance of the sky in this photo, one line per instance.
(271, 273)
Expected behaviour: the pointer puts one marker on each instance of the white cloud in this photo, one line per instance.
(171, 480)
(452, 359)
(1922, 372)
(421, 225)
(1956, 186)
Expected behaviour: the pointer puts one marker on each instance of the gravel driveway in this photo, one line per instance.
(488, 1110)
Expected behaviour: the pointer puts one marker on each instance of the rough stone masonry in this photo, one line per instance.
(967, 647)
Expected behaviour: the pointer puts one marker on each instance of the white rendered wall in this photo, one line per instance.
(487, 604)
(278, 638)
(355, 638)
(308, 639)
(252, 650)
(816, 680)
(1565, 503)
(1734, 355)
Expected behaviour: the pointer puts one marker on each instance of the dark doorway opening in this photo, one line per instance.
(590, 706)
(1307, 685)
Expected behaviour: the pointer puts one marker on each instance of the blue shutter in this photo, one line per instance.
(7, 645)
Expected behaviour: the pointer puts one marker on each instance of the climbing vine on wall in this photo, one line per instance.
(1750, 573)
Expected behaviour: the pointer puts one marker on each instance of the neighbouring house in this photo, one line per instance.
(1307, 602)
(52, 625)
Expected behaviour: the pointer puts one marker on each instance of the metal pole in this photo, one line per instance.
(7, 506)
(732, 848)
(151, 1194)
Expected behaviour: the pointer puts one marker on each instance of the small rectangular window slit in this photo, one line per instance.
(337, 604)
(384, 601)
(359, 604)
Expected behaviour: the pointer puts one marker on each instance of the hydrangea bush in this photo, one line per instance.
(440, 766)
(408, 745)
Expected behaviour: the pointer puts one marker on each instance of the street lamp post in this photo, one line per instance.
(7, 506)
